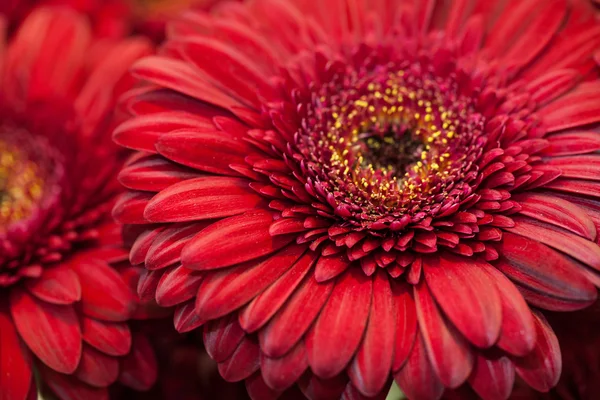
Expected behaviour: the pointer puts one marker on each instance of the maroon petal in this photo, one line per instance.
(57, 285)
(177, 286)
(96, 368)
(334, 338)
(153, 174)
(259, 390)
(517, 335)
(207, 151)
(316, 388)
(328, 267)
(222, 336)
(541, 368)
(15, 371)
(244, 361)
(224, 291)
(264, 306)
(50, 331)
(418, 379)
(467, 295)
(492, 379)
(539, 268)
(129, 208)
(97, 279)
(139, 369)
(281, 373)
(450, 355)
(202, 198)
(556, 211)
(232, 241)
(406, 323)
(68, 387)
(166, 247)
(372, 364)
(185, 318)
(112, 338)
(578, 108)
(295, 317)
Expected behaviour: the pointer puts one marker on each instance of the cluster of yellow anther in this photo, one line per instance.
(21, 186)
(379, 117)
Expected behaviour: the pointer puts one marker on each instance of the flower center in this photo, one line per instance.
(388, 139)
(26, 164)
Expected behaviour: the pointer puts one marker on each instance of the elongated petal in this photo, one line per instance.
(337, 332)
(449, 353)
(467, 295)
(264, 306)
(51, 331)
(112, 338)
(406, 323)
(227, 290)
(291, 322)
(542, 269)
(97, 279)
(542, 367)
(492, 379)
(140, 368)
(232, 241)
(281, 373)
(57, 285)
(97, 369)
(202, 198)
(15, 370)
(417, 378)
(222, 337)
(177, 286)
(244, 361)
(373, 360)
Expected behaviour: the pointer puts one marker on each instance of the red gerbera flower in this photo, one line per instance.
(65, 295)
(344, 191)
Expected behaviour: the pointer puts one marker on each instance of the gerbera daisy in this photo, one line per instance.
(65, 293)
(347, 191)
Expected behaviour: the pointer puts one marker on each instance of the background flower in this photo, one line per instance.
(344, 191)
(65, 281)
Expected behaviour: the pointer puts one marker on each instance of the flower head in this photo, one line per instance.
(60, 252)
(346, 191)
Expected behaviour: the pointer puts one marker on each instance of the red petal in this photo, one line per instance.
(207, 151)
(575, 246)
(97, 279)
(450, 355)
(244, 361)
(185, 318)
(258, 389)
(227, 290)
(334, 338)
(68, 387)
(578, 142)
(129, 208)
(222, 336)
(264, 306)
(281, 373)
(371, 366)
(316, 388)
(139, 369)
(202, 198)
(166, 247)
(328, 267)
(541, 368)
(153, 174)
(295, 317)
(406, 324)
(467, 295)
(557, 211)
(57, 285)
(15, 371)
(232, 241)
(112, 338)
(517, 335)
(177, 286)
(578, 108)
(50, 331)
(97, 369)
(577, 166)
(418, 379)
(544, 270)
(492, 378)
